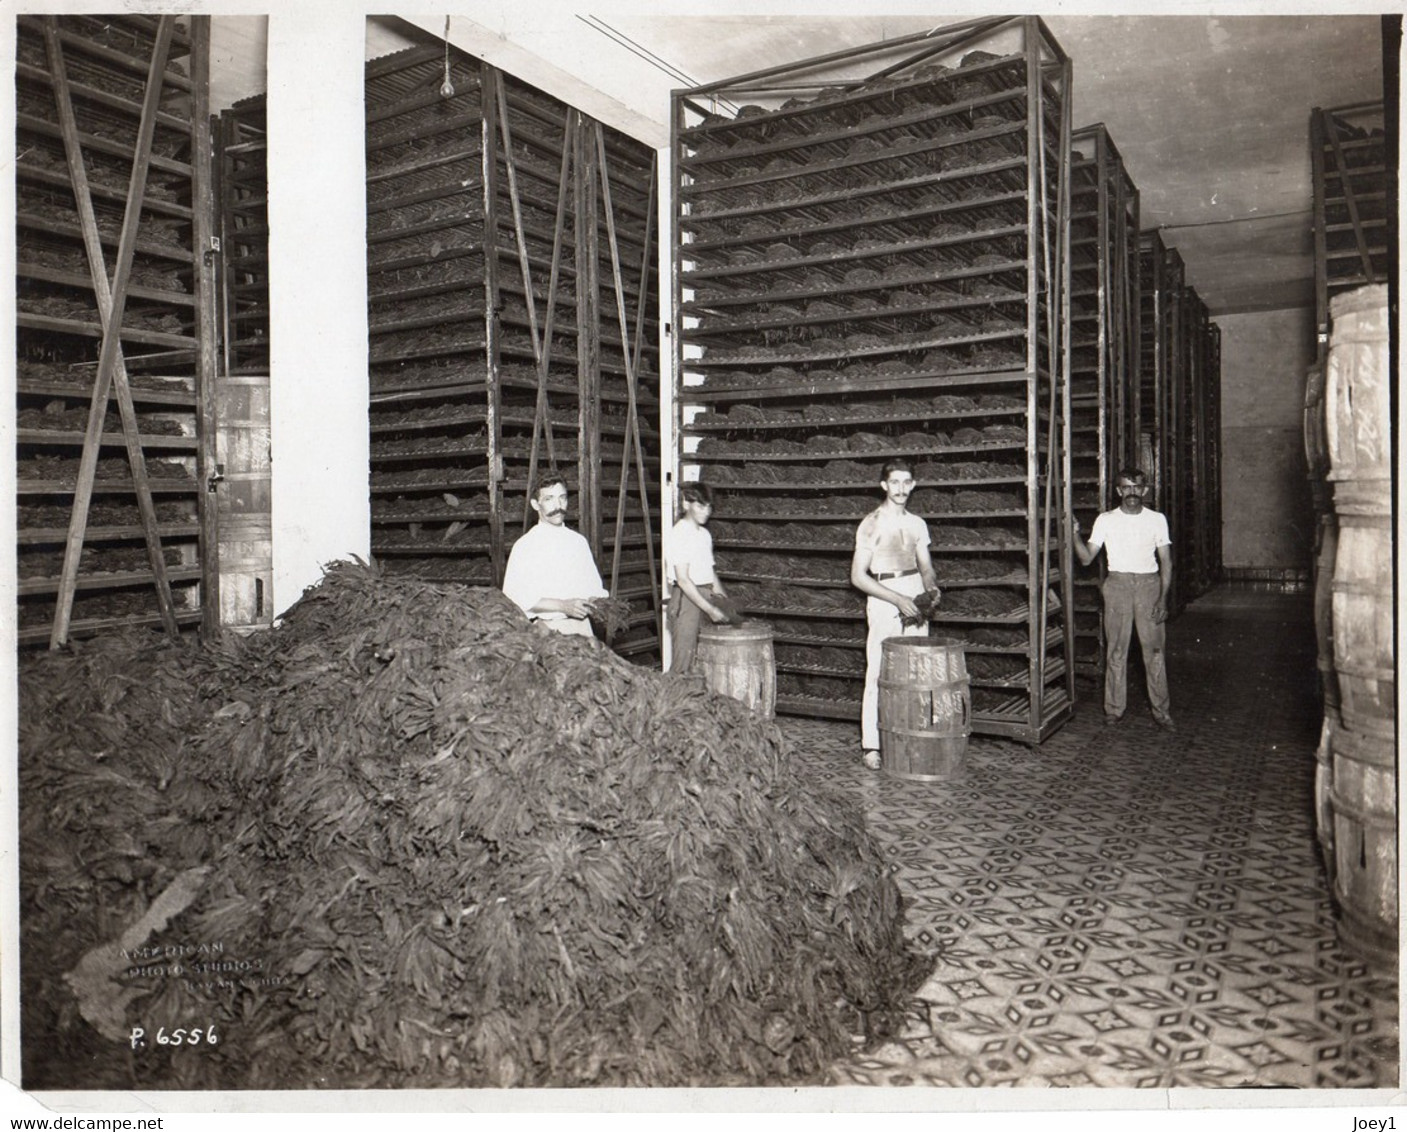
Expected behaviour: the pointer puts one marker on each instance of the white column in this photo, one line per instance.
(317, 293)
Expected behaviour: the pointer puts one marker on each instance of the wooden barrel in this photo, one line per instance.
(1364, 801)
(244, 501)
(1357, 409)
(1323, 787)
(1363, 624)
(1362, 793)
(737, 661)
(1324, 563)
(1316, 441)
(925, 708)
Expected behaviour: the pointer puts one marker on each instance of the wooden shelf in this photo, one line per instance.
(58, 438)
(89, 627)
(35, 536)
(28, 587)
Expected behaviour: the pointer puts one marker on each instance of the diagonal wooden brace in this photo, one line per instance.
(112, 299)
(633, 439)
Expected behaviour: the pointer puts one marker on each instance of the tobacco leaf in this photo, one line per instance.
(465, 852)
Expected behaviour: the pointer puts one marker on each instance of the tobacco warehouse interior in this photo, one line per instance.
(705, 550)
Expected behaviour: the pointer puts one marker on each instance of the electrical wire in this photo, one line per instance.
(447, 87)
(595, 23)
(1236, 220)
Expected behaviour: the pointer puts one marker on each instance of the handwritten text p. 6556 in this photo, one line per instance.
(181, 1036)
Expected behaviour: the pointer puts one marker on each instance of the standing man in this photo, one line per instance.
(1135, 539)
(551, 575)
(891, 566)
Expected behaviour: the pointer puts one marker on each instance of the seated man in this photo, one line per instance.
(551, 575)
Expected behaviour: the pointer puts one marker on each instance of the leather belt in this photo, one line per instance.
(900, 574)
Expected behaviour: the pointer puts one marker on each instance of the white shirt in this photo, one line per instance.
(555, 562)
(893, 538)
(1130, 541)
(691, 547)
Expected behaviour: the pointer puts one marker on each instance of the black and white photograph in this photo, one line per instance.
(696, 558)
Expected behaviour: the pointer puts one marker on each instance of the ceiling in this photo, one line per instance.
(1210, 113)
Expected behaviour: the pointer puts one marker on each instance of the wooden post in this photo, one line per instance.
(1321, 280)
(207, 270)
(588, 306)
(490, 92)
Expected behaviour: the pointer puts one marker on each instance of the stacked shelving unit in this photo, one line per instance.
(243, 460)
(115, 324)
(1104, 348)
(1354, 223)
(869, 261)
(242, 184)
(514, 326)
(1180, 424)
(1196, 545)
(1209, 564)
(1154, 348)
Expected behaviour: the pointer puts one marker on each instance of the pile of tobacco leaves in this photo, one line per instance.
(409, 839)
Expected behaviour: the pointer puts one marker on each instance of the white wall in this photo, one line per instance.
(1267, 514)
(317, 294)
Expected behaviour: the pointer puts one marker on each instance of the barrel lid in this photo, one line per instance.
(924, 642)
(742, 629)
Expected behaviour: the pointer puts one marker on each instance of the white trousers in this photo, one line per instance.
(884, 622)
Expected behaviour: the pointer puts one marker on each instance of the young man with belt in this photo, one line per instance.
(1135, 540)
(891, 566)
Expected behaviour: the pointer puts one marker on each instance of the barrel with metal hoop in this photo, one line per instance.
(925, 708)
(737, 661)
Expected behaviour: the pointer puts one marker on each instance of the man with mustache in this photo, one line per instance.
(891, 565)
(551, 575)
(1135, 540)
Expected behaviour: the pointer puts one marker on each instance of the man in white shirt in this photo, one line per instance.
(551, 575)
(891, 566)
(1135, 540)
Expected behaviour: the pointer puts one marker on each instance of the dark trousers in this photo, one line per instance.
(1128, 605)
(685, 618)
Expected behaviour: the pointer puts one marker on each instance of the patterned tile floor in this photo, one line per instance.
(1123, 907)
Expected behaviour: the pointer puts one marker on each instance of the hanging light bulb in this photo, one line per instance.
(447, 87)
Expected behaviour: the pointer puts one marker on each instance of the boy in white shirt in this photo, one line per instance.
(695, 582)
(1135, 540)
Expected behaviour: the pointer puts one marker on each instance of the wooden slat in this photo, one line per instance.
(37, 536)
(39, 176)
(112, 298)
(94, 94)
(106, 439)
(96, 330)
(102, 145)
